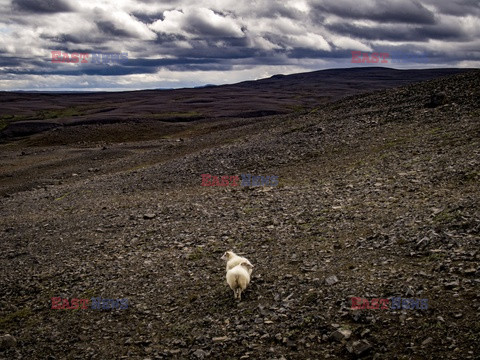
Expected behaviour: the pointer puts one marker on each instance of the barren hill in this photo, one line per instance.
(167, 111)
(378, 198)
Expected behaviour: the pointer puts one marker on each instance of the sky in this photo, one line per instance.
(148, 44)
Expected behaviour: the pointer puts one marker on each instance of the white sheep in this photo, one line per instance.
(238, 278)
(234, 260)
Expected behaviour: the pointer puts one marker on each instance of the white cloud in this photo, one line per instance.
(171, 24)
(346, 43)
(125, 21)
(309, 41)
(192, 22)
(469, 64)
(209, 21)
(299, 5)
(261, 43)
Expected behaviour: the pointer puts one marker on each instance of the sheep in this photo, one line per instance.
(238, 278)
(234, 260)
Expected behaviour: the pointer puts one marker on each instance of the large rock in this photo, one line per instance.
(358, 347)
(7, 341)
(341, 334)
(437, 99)
(331, 280)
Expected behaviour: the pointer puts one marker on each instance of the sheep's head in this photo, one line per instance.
(228, 255)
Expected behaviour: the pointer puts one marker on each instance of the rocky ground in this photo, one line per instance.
(378, 198)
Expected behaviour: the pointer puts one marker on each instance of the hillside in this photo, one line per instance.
(378, 197)
(163, 112)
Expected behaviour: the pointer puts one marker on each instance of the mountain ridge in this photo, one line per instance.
(23, 114)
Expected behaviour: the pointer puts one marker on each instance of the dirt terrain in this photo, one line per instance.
(378, 198)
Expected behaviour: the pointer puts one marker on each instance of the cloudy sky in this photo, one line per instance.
(183, 43)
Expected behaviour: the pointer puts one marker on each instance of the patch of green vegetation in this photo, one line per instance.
(3, 124)
(306, 226)
(475, 113)
(349, 266)
(6, 119)
(434, 131)
(447, 216)
(16, 316)
(138, 167)
(250, 210)
(283, 182)
(292, 130)
(297, 108)
(179, 329)
(197, 254)
(61, 197)
(89, 293)
(310, 299)
(435, 257)
(59, 113)
(472, 176)
(175, 115)
(394, 142)
(33, 322)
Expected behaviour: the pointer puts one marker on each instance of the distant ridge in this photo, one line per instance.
(30, 112)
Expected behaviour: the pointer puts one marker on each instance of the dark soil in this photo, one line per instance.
(380, 190)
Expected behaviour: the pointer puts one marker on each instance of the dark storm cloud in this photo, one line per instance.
(41, 6)
(169, 39)
(369, 33)
(148, 18)
(203, 28)
(8, 63)
(100, 71)
(457, 8)
(309, 54)
(270, 9)
(109, 28)
(170, 62)
(81, 69)
(215, 53)
(409, 12)
(69, 42)
(442, 32)
(398, 33)
(163, 38)
(200, 67)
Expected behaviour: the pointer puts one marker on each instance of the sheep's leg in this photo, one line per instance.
(239, 294)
